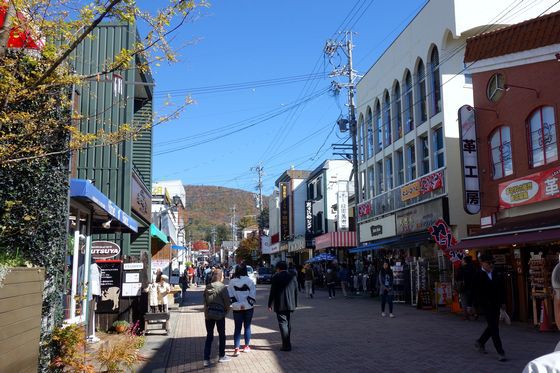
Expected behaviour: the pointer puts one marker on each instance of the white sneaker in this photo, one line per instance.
(391, 315)
(225, 359)
(383, 314)
(206, 363)
(236, 352)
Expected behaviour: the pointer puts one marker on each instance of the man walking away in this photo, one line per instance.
(489, 296)
(309, 277)
(343, 277)
(283, 300)
(331, 281)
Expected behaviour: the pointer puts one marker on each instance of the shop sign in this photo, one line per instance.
(133, 266)
(284, 212)
(110, 286)
(342, 210)
(537, 187)
(380, 228)
(442, 234)
(141, 199)
(444, 291)
(274, 248)
(365, 210)
(424, 185)
(296, 245)
(308, 217)
(469, 160)
(419, 217)
(104, 250)
(265, 244)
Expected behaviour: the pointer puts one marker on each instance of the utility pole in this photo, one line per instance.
(213, 233)
(259, 169)
(330, 49)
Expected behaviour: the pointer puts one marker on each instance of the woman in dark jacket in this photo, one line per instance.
(330, 278)
(465, 278)
(386, 288)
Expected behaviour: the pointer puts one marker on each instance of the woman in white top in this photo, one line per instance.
(242, 292)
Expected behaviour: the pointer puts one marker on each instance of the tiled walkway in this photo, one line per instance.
(345, 335)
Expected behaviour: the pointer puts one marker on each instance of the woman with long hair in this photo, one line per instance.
(386, 288)
(242, 293)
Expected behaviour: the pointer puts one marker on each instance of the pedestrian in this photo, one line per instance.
(190, 272)
(163, 289)
(331, 281)
(465, 279)
(385, 280)
(283, 300)
(216, 307)
(550, 362)
(343, 277)
(184, 282)
(309, 276)
(242, 294)
(301, 277)
(489, 296)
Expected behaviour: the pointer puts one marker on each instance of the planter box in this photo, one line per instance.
(21, 300)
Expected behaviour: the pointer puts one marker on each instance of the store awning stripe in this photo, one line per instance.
(83, 189)
(335, 239)
(155, 232)
(510, 239)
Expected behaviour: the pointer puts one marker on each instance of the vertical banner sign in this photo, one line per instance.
(308, 217)
(469, 160)
(284, 213)
(444, 238)
(342, 202)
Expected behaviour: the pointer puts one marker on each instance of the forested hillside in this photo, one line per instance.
(211, 206)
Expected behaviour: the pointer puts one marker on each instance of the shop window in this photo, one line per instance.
(408, 104)
(387, 119)
(543, 144)
(397, 110)
(422, 113)
(319, 188)
(500, 150)
(435, 82)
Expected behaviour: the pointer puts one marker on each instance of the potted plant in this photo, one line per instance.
(121, 326)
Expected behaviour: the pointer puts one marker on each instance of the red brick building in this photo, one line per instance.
(516, 79)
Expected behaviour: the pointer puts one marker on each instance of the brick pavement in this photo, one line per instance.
(347, 335)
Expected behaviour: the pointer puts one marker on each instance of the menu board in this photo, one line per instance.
(110, 286)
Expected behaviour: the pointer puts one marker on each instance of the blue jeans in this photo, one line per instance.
(221, 326)
(386, 298)
(242, 318)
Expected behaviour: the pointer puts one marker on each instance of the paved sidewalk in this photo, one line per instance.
(346, 335)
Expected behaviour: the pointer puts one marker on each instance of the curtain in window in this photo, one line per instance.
(543, 146)
(500, 150)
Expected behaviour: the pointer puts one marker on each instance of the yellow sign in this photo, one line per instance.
(410, 191)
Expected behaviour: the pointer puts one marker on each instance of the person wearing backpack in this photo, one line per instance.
(216, 307)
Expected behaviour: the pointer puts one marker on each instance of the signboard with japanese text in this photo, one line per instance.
(308, 217)
(469, 160)
(537, 187)
(284, 212)
(140, 198)
(441, 233)
(419, 217)
(365, 210)
(423, 185)
(342, 216)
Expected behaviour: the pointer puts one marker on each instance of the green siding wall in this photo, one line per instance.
(142, 146)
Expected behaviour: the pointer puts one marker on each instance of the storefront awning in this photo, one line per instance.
(509, 238)
(155, 232)
(177, 247)
(335, 239)
(393, 242)
(86, 192)
(373, 246)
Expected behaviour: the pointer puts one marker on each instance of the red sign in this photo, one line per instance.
(364, 210)
(443, 236)
(424, 185)
(537, 187)
(20, 38)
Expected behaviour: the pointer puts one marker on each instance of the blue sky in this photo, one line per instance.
(233, 55)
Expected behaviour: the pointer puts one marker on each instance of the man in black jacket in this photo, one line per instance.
(283, 300)
(489, 296)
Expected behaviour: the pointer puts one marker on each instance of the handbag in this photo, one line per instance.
(216, 311)
(505, 317)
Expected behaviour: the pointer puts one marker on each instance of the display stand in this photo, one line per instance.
(398, 283)
(541, 288)
(420, 293)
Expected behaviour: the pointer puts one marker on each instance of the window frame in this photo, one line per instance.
(435, 82)
(496, 131)
(544, 147)
(387, 125)
(408, 103)
(422, 110)
(437, 152)
(397, 109)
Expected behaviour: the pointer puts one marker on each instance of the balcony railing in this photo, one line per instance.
(421, 189)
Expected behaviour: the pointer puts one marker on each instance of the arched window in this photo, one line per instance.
(421, 110)
(500, 151)
(378, 128)
(435, 82)
(543, 144)
(369, 129)
(408, 104)
(387, 119)
(361, 140)
(397, 111)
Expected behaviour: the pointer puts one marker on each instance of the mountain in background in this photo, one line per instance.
(211, 206)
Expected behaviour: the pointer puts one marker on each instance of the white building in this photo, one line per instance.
(410, 171)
